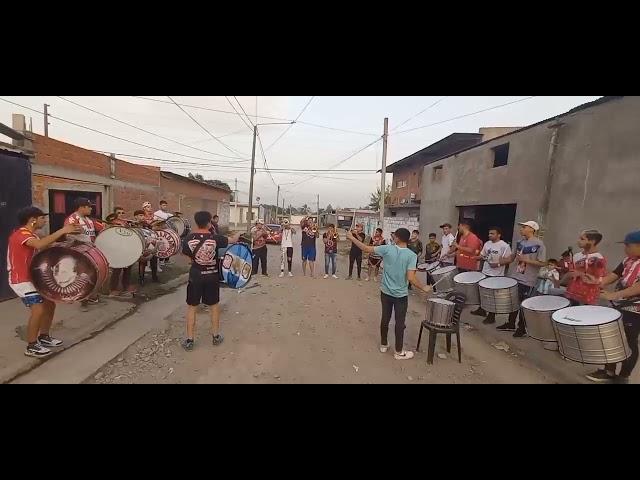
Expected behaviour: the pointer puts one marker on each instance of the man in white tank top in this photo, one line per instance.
(287, 247)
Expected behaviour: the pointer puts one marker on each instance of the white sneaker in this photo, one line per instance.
(290, 274)
(403, 356)
(281, 275)
(334, 276)
(326, 276)
(384, 348)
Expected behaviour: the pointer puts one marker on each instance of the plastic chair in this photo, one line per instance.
(459, 299)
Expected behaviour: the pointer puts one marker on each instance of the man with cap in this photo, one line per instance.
(530, 255)
(448, 239)
(625, 298)
(260, 235)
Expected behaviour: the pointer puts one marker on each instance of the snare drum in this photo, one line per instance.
(499, 295)
(467, 283)
(537, 312)
(237, 265)
(69, 274)
(121, 246)
(591, 335)
(445, 278)
(168, 243)
(440, 312)
(428, 267)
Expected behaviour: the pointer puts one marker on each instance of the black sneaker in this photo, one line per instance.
(218, 339)
(507, 327)
(188, 345)
(520, 333)
(36, 350)
(488, 320)
(479, 312)
(48, 341)
(601, 376)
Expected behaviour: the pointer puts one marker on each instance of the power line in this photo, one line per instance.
(466, 115)
(264, 158)
(420, 113)
(230, 134)
(204, 128)
(115, 136)
(338, 129)
(136, 127)
(243, 111)
(250, 127)
(289, 127)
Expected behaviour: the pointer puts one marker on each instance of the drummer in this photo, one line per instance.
(118, 274)
(467, 248)
(587, 263)
(201, 247)
(446, 254)
(163, 214)
(626, 298)
(496, 254)
(23, 244)
(530, 256)
(149, 220)
(432, 249)
(152, 265)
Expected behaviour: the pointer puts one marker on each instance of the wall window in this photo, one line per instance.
(500, 155)
(401, 183)
(438, 171)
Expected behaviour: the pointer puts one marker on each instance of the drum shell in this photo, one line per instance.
(178, 225)
(169, 243)
(500, 300)
(88, 259)
(121, 232)
(540, 324)
(447, 283)
(593, 344)
(150, 239)
(439, 314)
(236, 265)
(471, 291)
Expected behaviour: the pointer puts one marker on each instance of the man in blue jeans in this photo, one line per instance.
(399, 271)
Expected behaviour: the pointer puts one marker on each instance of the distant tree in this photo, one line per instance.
(374, 204)
(329, 209)
(215, 183)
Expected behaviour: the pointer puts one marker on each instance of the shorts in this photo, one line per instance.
(308, 253)
(27, 293)
(375, 261)
(204, 290)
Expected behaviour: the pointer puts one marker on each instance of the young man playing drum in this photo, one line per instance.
(625, 298)
(163, 214)
(588, 262)
(399, 271)
(467, 248)
(201, 247)
(24, 243)
(530, 257)
(119, 274)
(447, 254)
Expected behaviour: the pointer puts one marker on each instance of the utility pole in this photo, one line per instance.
(289, 213)
(318, 214)
(383, 174)
(277, 202)
(235, 192)
(253, 165)
(46, 120)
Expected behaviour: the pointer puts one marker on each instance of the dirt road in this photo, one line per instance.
(303, 330)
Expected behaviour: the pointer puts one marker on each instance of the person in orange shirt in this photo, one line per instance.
(467, 248)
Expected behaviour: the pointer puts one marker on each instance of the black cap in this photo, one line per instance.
(26, 213)
(83, 202)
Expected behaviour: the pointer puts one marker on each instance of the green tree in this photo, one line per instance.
(374, 204)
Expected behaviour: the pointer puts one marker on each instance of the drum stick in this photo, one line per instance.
(446, 275)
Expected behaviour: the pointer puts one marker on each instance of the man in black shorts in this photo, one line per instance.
(201, 246)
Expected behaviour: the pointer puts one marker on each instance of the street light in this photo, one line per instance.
(253, 163)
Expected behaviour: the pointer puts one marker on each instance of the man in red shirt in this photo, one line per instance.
(587, 264)
(467, 248)
(23, 245)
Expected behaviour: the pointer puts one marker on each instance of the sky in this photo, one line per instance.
(302, 147)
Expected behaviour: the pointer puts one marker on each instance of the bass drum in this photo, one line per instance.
(150, 243)
(121, 246)
(179, 225)
(237, 265)
(168, 243)
(69, 274)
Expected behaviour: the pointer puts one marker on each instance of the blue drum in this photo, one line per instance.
(237, 265)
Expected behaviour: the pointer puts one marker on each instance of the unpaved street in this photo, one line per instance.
(303, 330)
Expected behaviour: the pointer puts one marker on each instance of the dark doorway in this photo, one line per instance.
(486, 216)
(61, 205)
(15, 193)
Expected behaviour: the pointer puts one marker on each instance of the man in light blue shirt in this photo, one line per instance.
(399, 271)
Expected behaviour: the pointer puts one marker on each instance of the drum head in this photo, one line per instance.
(177, 224)
(237, 265)
(423, 267)
(469, 277)
(444, 270)
(498, 283)
(121, 246)
(441, 301)
(546, 303)
(168, 243)
(586, 315)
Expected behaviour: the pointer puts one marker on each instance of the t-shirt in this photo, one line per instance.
(259, 238)
(594, 264)
(376, 242)
(397, 262)
(629, 273)
(493, 252)
(331, 244)
(447, 241)
(287, 238)
(309, 238)
(149, 217)
(160, 215)
(202, 249)
(89, 230)
(355, 250)
(416, 247)
(19, 256)
(432, 251)
(532, 249)
(464, 260)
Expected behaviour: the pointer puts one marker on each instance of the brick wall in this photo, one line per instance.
(190, 196)
(413, 176)
(60, 154)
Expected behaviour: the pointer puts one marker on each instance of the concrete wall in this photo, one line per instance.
(595, 185)
(391, 224)
(489, 133)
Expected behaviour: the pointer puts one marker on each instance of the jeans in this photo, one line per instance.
(355, 257)
(398, 306)
(260, 256)
(632, 330)
(330, 258)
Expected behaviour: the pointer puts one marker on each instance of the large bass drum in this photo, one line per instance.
(121, 246)
(179, 225)
(69, 273)
(237, 265)
(168, 243)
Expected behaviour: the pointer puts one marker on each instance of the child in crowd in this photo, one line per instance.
(548, 277)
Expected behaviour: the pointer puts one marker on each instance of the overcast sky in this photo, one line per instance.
(302, 147)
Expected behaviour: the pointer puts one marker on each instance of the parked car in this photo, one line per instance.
(275, 234)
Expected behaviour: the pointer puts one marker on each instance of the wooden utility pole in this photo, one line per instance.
(253, 165)
(383, 171)
(46, 120)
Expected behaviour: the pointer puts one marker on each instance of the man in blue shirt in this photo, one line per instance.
(399, 271)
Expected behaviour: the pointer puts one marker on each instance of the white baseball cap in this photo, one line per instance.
(531, 224)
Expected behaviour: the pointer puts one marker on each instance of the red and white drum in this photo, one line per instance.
(168, 243)
(69, 274)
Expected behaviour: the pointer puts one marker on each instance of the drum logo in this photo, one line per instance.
(124, 232)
